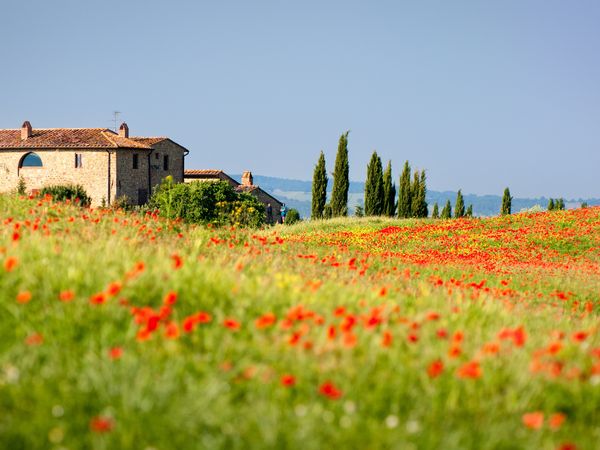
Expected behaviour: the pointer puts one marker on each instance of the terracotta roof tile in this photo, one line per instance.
(148, 140)
(202, 172)
(67, 138)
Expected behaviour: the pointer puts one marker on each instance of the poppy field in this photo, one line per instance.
(123, 330)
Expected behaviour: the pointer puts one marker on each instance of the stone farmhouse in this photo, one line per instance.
(247, 185)
(107, 164)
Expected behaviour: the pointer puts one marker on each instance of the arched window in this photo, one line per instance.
(30, 160)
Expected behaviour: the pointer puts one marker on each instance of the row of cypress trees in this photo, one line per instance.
(338, 205)
(459, 209)
(380, 191)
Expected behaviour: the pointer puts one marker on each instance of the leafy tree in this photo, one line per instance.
(469, 212)
(341, 181)
(506, 203)
(374, 197)
(584, 205)
(551, 205)
(435, 214)
(389, 192)
(292, 216)
(446, 210)
(200, 202)
(560, 204)
(405, 198)
(459, 206)
(359, 211)
(319, 189)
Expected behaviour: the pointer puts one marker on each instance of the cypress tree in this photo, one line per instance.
(319, 188)
(506, 203)
(423, 210)
(469, 212)
(415, 192)
(446, 210)
(560, 204)
(374, 187)
(435, 214)
(550, 205)
(389, 192)
(341, 182)
(459, 207)
(404, 197)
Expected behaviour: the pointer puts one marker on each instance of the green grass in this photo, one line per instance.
(220, 388)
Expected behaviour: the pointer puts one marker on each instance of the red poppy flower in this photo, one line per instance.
(329, 390)
(556, 420)
(435, 369)
(34, 339)
(24, 297)
(232, 324)
(579, 336)
(533, 420)
(177, 261)
(288, 380)
(66, 296)
(386, 339)
(98, 299)
(471, 370)
(170, 298)
(203, 317)
(266, 320)
(100, 424)
(10, 263)
(172, 330)
(115, 353)
(113, 288)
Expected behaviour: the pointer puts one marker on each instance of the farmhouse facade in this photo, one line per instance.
(107, 164)
(247, 185)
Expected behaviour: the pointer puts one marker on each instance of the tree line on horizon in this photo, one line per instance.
(382, 198)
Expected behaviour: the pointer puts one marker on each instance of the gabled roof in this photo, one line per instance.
(68, 138)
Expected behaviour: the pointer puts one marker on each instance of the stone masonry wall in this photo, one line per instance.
(131, 182)
(59, 168)
(175, 154)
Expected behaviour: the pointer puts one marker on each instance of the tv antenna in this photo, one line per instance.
(116, 119)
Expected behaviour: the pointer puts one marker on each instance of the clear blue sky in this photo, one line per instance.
(482, 94)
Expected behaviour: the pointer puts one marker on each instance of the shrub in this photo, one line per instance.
(72, 192)
(123, 202)
(206, 202)
(292, 217)
(21, 186)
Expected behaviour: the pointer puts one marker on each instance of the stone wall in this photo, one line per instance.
(59, 168)
(265, 199)
(175, 155)
(132, 183)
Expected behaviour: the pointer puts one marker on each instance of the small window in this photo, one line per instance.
(166, 162)
(135, 160)
(78, 161)
(157, 156)
(31, 160)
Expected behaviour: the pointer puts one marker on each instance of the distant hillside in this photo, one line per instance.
(297, 194)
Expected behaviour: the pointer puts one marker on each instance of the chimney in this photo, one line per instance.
(26, 130)
(247, 178)
(124, 130)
